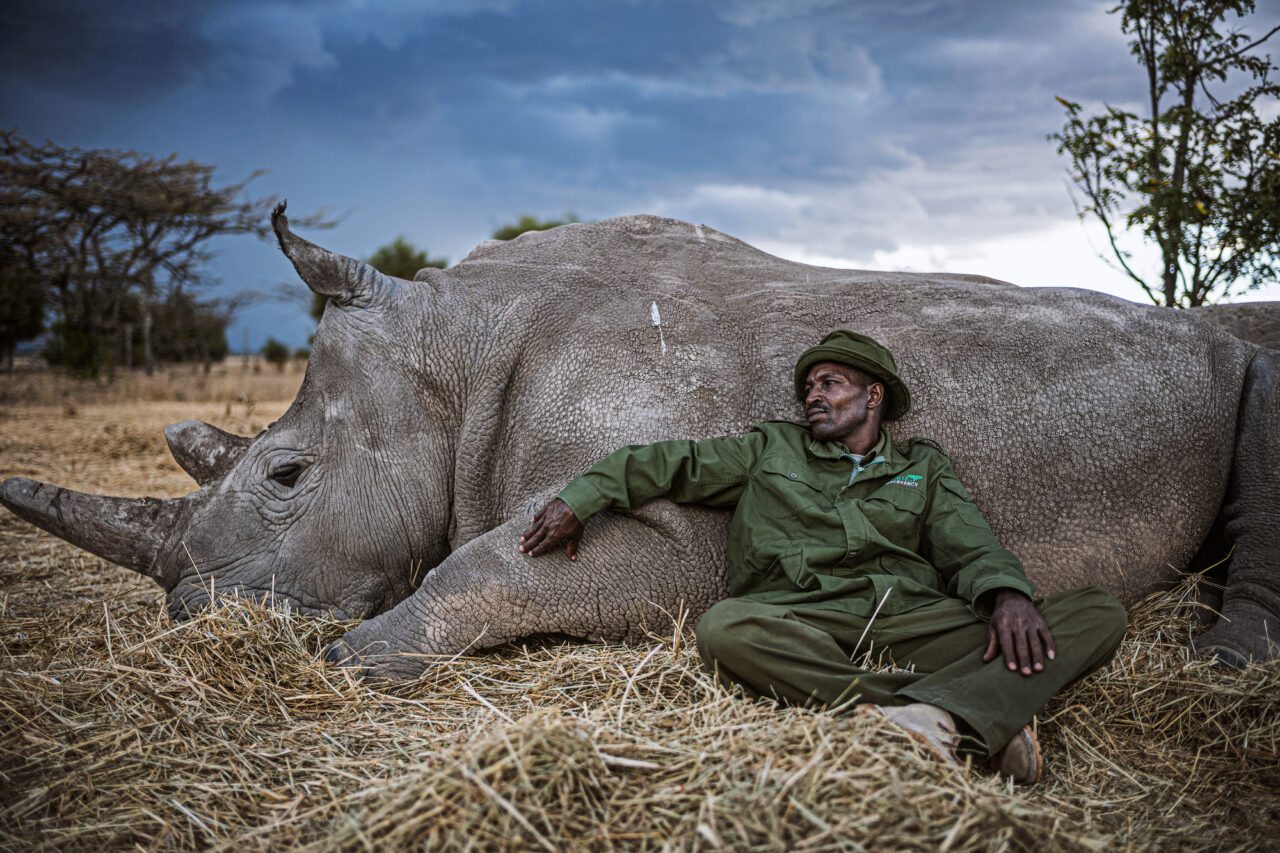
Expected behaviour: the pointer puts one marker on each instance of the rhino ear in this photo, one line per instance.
(344, 280)
(205, 452)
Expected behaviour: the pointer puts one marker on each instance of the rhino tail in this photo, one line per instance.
(1249, 629)
(342, 279)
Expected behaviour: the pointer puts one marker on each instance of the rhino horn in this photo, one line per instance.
(127, 531)
(343, 279)
(204, 451)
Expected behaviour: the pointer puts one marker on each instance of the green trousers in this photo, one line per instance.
(804, 655)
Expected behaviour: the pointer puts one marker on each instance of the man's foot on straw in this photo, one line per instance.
(1020, 759)
(925, 724)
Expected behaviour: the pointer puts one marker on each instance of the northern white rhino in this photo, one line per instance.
(1102, 439)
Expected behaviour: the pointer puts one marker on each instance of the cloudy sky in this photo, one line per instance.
(894, 134)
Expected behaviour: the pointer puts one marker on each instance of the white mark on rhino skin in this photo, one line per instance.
(657, 324)
(337, 409)
(702, 238)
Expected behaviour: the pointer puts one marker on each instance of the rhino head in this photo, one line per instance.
(332, 507)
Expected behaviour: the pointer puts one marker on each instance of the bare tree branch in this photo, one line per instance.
(119, 238)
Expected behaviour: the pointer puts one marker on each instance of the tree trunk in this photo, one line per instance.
(203, 347)
(1170, 279)
(147, 362)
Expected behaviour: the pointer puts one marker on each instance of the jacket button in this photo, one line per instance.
(793, 475)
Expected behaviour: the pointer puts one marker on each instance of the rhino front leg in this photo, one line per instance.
(1250, 625)
(633, 574)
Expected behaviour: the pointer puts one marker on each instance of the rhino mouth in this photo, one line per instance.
(194, 598)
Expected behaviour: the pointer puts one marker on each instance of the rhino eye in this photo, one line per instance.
(287, 475)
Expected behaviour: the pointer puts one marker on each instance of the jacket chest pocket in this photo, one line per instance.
(893, 513)
(788, 488)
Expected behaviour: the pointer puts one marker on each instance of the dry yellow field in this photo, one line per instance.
(107, 438)
(122, 730)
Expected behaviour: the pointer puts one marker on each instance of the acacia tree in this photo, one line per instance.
(96, 226)
(21, 305)
(186, 329)
(1198, 173)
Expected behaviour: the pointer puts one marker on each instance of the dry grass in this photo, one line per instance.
(232, 381)
(120, 729)
(81, 435)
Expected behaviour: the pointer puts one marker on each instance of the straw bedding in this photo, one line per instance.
(122, 730)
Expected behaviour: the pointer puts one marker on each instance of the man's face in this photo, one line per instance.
(838, 402)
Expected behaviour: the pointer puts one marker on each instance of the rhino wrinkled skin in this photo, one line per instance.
(1100, 438)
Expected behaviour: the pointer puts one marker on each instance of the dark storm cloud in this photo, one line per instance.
(648, 89)
(101, 51)
(825, 128)
(760, 101)
(127, 52)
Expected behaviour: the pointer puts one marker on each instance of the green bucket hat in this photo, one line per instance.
(845, 347)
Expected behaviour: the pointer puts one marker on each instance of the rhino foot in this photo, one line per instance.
(372, 662)
(1233, 645)
(394, 646)
(339, 653)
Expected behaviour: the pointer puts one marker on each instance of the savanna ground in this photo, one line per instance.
(122, 730)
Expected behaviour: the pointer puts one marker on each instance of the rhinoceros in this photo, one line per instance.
(1100, 438)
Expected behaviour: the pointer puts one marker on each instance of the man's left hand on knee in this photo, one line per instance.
(1019, 632)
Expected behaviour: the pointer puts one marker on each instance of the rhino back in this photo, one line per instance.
(1095, 434)
(1256, 322)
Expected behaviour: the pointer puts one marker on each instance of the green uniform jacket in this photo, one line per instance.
(813, 525)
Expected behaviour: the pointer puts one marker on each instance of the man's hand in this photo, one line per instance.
(1019, 632)
(554, 523)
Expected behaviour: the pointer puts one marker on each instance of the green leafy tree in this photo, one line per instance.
(96, 227)
(187, 329)
(276, 353)
(530, 223)
(399, 258)
(402, 259)
(1198, 173)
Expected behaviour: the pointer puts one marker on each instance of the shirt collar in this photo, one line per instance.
(834, 449)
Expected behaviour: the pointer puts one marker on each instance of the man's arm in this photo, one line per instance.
(979, 570)
(712, 472)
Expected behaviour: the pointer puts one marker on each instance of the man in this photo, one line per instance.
(843, 544)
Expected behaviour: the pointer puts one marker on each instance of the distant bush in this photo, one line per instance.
(531, 223)
(276, 353)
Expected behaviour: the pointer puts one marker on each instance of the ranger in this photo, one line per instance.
(844, 546)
